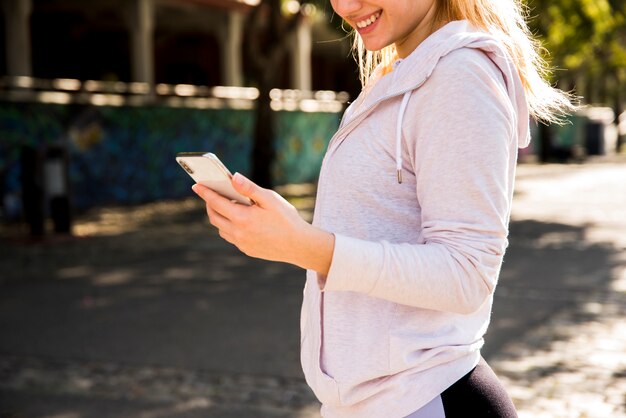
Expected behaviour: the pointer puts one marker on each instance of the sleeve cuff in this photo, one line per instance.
(355, 266)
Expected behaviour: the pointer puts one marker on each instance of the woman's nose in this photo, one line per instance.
(346, 7)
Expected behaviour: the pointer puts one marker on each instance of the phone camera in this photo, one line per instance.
(186, 167)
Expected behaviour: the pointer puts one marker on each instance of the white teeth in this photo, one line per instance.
(365, 23)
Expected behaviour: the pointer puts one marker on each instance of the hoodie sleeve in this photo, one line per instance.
(461, 124)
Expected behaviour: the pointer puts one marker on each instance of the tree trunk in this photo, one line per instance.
(267, 44)
(263, 152)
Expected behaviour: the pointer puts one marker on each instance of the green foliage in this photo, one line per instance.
(586, 39)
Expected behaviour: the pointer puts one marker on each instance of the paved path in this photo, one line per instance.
(149, 314)
(573, 362)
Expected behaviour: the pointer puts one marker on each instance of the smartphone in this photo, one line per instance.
(206, 169)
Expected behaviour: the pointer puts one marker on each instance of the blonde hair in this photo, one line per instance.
(504, 19)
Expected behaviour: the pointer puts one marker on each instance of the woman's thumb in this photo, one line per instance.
(248, 188)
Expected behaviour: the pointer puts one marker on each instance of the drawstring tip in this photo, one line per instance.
(399, 176)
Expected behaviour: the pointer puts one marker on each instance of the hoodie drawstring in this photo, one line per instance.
(405, 101)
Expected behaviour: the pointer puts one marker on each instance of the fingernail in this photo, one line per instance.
(238, 178)
(195, 188)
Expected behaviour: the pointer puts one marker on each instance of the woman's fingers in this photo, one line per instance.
(206, 193)
(216, 219)
(223, 214)
(266, 230)
(218, 203)
(223, 225)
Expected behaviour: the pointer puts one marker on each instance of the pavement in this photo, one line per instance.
(146, 312)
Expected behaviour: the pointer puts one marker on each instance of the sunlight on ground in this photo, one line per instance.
(619, 284)
(570, 367)
(575, 376)
(181, 407)
(121, 219)
(579, 198)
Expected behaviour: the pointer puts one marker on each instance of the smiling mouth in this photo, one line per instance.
(362, 24)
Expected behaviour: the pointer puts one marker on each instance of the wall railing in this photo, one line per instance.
(117, 93)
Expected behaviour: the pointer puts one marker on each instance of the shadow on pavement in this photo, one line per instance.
(548, 268)
(162, 302)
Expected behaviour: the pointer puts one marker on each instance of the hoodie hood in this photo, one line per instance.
(416, 68)
(456, 35)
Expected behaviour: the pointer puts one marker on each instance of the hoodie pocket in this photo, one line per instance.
(323, 385)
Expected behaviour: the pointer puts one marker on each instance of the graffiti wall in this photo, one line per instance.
(125, 155)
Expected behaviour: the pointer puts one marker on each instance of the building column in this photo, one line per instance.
(142, 41)
(301, 57)
(18, 43)
(232, 72)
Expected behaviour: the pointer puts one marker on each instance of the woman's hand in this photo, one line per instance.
(270, 229)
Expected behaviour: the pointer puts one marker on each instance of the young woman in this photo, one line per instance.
(412, 210)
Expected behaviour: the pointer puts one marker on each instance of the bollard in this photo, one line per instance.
(56, 187)
(32, 190)
(601, 131)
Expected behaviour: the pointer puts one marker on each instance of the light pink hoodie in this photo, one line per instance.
(408, 297)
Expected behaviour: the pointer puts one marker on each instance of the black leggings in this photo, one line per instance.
(478, 394)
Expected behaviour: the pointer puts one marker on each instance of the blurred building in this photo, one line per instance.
(159, 41)
(97, 96)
